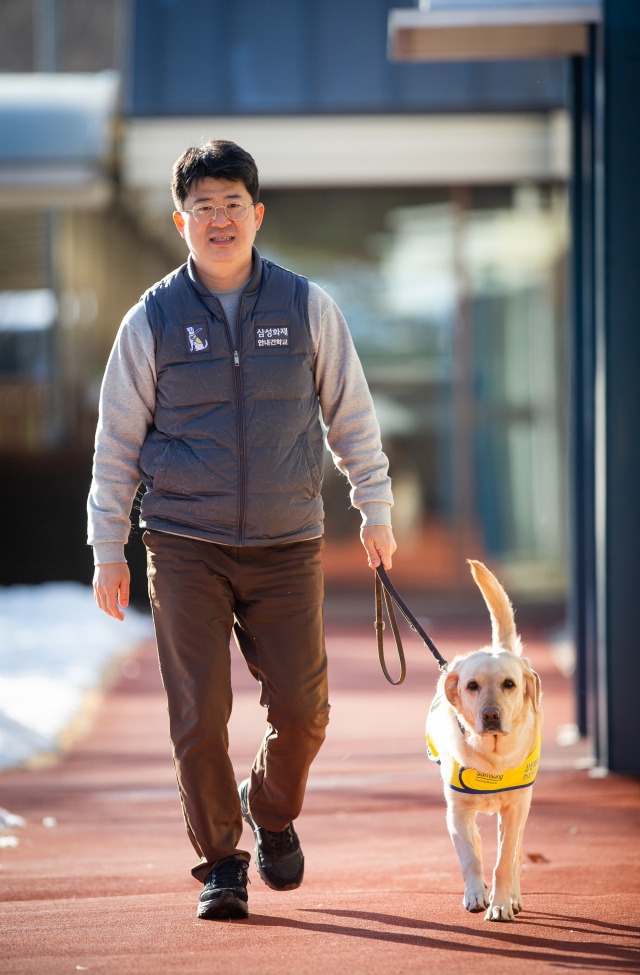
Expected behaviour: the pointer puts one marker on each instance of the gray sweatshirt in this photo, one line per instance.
(127, 404)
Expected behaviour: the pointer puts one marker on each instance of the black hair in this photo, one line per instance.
(219, 159)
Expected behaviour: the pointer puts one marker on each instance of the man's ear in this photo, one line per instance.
(178, 219)
(259, 215)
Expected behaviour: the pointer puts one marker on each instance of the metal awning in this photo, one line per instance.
(57, 139)
(487, 33)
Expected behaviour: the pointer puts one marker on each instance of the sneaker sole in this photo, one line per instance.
(225, 907)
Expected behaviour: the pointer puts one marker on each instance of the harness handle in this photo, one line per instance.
(384, 585)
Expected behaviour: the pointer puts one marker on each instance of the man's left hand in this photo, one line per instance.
(380, 544)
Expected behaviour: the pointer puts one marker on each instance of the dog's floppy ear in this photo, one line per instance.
(533, 686)
(451, 689)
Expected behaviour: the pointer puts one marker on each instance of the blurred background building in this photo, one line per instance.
(441, 232)
(431, 167)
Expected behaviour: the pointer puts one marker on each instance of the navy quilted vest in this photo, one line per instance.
(235, 454)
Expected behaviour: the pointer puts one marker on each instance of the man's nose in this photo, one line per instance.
(220, 217)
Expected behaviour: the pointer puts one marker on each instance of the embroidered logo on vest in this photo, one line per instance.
(268, 338)
(196, 341)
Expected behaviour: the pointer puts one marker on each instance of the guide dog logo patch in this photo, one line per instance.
(197, 338)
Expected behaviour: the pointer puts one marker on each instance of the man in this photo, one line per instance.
(212, 397)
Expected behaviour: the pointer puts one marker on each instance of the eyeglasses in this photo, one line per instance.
(205, 212)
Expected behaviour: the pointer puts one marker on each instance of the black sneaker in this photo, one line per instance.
(278, 856)
(225, 891)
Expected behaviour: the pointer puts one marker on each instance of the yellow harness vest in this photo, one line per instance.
(476, 783)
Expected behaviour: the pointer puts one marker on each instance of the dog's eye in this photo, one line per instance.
(508, 684)
(472, 685)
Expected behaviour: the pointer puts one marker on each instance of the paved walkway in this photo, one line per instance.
(108, 890)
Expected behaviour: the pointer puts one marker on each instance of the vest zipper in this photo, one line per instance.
(242, 462)
(237, 379)
(241, 444)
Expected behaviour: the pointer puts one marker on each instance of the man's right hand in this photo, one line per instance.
(111, 588)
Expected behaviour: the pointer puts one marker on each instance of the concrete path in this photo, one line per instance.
(107, 889)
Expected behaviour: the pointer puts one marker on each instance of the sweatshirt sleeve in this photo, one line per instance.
(127, 404)
(353, 433)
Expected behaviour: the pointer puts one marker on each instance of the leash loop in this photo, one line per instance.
(379, 624)
(383, 585)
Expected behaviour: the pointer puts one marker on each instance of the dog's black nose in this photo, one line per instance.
(491, 716)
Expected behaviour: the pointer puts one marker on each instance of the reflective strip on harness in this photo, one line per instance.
(471, 781)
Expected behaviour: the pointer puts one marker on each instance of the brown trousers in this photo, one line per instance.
(270, 598)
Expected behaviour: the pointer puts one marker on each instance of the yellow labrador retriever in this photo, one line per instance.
(484, 729)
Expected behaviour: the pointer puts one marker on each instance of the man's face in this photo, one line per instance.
(220, 244)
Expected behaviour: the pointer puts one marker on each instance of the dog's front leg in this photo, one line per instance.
(461, 823)
(506, 900)
(516, 895)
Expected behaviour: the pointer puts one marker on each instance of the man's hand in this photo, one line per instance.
(111, 587)
(380, 544)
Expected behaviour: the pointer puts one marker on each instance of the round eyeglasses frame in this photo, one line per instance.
(207, 211)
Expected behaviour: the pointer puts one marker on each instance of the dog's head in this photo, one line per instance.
(491, 689)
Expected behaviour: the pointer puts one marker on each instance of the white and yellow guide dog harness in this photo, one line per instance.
(477, 783)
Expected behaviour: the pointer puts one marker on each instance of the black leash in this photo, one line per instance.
(391, 595)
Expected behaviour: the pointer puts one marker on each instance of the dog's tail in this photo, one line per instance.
(503, 622)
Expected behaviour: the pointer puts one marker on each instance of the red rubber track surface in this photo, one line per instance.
(108, 889)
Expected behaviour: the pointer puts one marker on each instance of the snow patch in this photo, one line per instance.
(54, 647)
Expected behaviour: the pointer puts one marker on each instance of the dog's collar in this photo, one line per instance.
(463, 779)
(463, 730)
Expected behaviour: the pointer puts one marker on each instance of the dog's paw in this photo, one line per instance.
(516, 903)
(500, 912)
(476, 899)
